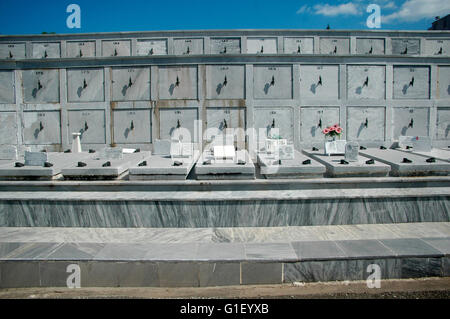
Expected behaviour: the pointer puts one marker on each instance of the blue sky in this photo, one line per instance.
(34, 17)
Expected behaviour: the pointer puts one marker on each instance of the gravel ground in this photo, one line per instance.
(422, 288)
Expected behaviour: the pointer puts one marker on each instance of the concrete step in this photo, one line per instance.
(39, 257)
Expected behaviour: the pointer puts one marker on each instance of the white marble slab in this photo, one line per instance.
(418, 166)
(270, 166)
(352, 169)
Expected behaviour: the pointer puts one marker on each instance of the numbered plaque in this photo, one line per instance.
(225, 46)
(272, 82)
(132, 126)
(46, 50)
(131, 84)
(177, 82)
(152, 47)
(411, 82)
(314, 119)
(116, 48)
(85, 85)
(411, 121)
(80, 49)
(41, 86)
(8, 128)
(172, 119)
(225, 81)
(319, 82)
(41, 127)
(188, 46)
(90, 124)
(299, 45)
(405, 46)
(365, 123)
(366, 82)
(12, 51)
(7, 94)
(370, 46)
(262, 45)
(334, 46)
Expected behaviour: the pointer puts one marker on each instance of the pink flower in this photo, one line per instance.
(336, 125)
(326, 131)
(338, 130)
(331, 128)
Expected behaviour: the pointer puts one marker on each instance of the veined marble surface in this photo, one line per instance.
(223, 235)
(82, 212)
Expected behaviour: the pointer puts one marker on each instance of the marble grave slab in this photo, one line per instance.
(337, 166)
(301, 166)
(408, 164)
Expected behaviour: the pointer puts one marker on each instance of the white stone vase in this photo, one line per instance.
(76, 143)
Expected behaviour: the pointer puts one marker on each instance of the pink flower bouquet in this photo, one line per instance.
(333, 131)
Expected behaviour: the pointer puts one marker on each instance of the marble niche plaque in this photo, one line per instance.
(35, 158)
(335, 147)
(179, 149)
(351, 151)
(8, 152)
(286, 152)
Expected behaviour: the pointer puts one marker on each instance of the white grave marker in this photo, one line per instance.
(35, 158)
(351, 151)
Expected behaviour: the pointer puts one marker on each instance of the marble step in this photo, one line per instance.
(40, 257)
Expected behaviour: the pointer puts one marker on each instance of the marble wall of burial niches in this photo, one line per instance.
(193, 46)
(262, 45)
(366, 82)
(370, 46)
(12, 51)
(46, 50)
(177, 83)
(298, 45)
(272, 82)
(151, 47)
(40, 86)
(411, 121)
(221, 120)
(112, 48)
(178, 121)
(366, 123)
(320, 82)
(411, 82)
(80, 49)
(335, 46)
(85, 85)
(443, 82)
(131, 84)
(225, 81)
(404, 46)
(89, 123)
(41, 127)
(437, 47)
(281, 119)
(443, 123)
(132, 126)
(314, 119)
(225, 45)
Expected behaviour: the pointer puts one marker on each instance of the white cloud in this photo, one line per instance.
(389, 5)
(342, 9)
(415, 10)
(304, 9)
